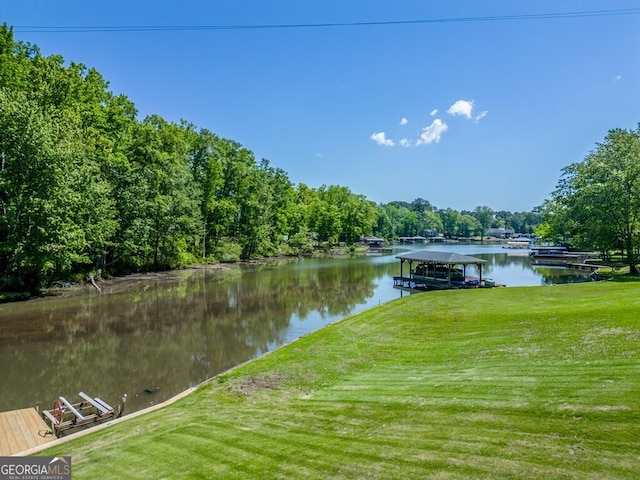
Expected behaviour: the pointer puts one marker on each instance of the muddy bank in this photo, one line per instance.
(120, 284)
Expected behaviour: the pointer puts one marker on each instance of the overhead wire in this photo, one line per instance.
(161, 28)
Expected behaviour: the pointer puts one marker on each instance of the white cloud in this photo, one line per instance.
(434, 112)
(404, 121)
(319, 155)
(465, 108)
(433, 132)
(405, 142)
(480, 116)
(461, 107)
(381, 139)
(618, 77)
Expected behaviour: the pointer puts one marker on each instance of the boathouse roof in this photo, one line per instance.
(441, 258)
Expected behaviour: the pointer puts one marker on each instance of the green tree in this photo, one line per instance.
(266, 210)
(427, 220)
(326, 217)
(206, 152)
(56, 208)
(450, 219)
(305, 203)
(359, 218)
(526, 222)
(384, 226)
(422, 205)
(404, 221)
(597, 202)
(430, 223)
(468, 226)
(484, 215)
(168, 219)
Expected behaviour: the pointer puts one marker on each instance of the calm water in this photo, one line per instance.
(165, 334)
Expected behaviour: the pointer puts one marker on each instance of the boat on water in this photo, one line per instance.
(455, 276)
(554, 255)
(438, 270)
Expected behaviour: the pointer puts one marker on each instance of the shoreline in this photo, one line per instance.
(98, 284)
(102, 426)
(175, 398)
(385, 384)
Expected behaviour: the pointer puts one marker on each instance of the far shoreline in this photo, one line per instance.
(61, 288)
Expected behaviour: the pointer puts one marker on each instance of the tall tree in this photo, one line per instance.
(484, 215)
(468, 226)
(599, 198)
(56, 212)
(168, 216)
(449, 221)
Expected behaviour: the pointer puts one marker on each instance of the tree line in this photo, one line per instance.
(404, 219)
(596, 205)
(86, 186)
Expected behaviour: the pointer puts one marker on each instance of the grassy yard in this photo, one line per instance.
(530, 383)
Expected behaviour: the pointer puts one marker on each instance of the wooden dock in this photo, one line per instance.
(21, 430)
(584, 266)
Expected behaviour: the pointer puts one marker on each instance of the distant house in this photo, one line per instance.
(374, 242)
(414, 239)
(500, 232)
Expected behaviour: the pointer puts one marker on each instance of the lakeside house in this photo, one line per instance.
(500, 232)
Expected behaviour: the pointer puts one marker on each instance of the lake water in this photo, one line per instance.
(163, 334)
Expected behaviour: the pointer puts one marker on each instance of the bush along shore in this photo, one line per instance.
(531, 383)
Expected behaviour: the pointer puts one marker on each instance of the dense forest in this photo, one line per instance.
(88, 187)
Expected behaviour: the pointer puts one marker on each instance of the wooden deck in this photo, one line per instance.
(21, 430)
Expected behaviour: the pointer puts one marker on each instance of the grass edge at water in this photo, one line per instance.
(522, 382)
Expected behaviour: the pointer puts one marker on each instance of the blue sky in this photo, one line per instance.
(457, 110)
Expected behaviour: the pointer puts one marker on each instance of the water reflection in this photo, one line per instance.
(163, 335)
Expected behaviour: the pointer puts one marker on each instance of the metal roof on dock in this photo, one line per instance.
(445, 258)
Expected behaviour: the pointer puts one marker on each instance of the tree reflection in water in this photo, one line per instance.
(166, 333)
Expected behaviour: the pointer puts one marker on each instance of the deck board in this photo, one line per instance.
(21, 430)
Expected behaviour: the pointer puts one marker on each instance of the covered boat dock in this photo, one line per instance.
(438, 270)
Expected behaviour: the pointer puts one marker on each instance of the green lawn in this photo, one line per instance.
(530, 383)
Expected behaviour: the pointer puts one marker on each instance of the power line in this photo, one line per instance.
(148, 28)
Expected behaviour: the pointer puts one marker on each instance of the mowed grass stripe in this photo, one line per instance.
(435, 433)
(531, 383)
(536, 385)
(343, 444)
(283, 439)
(240, 458)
